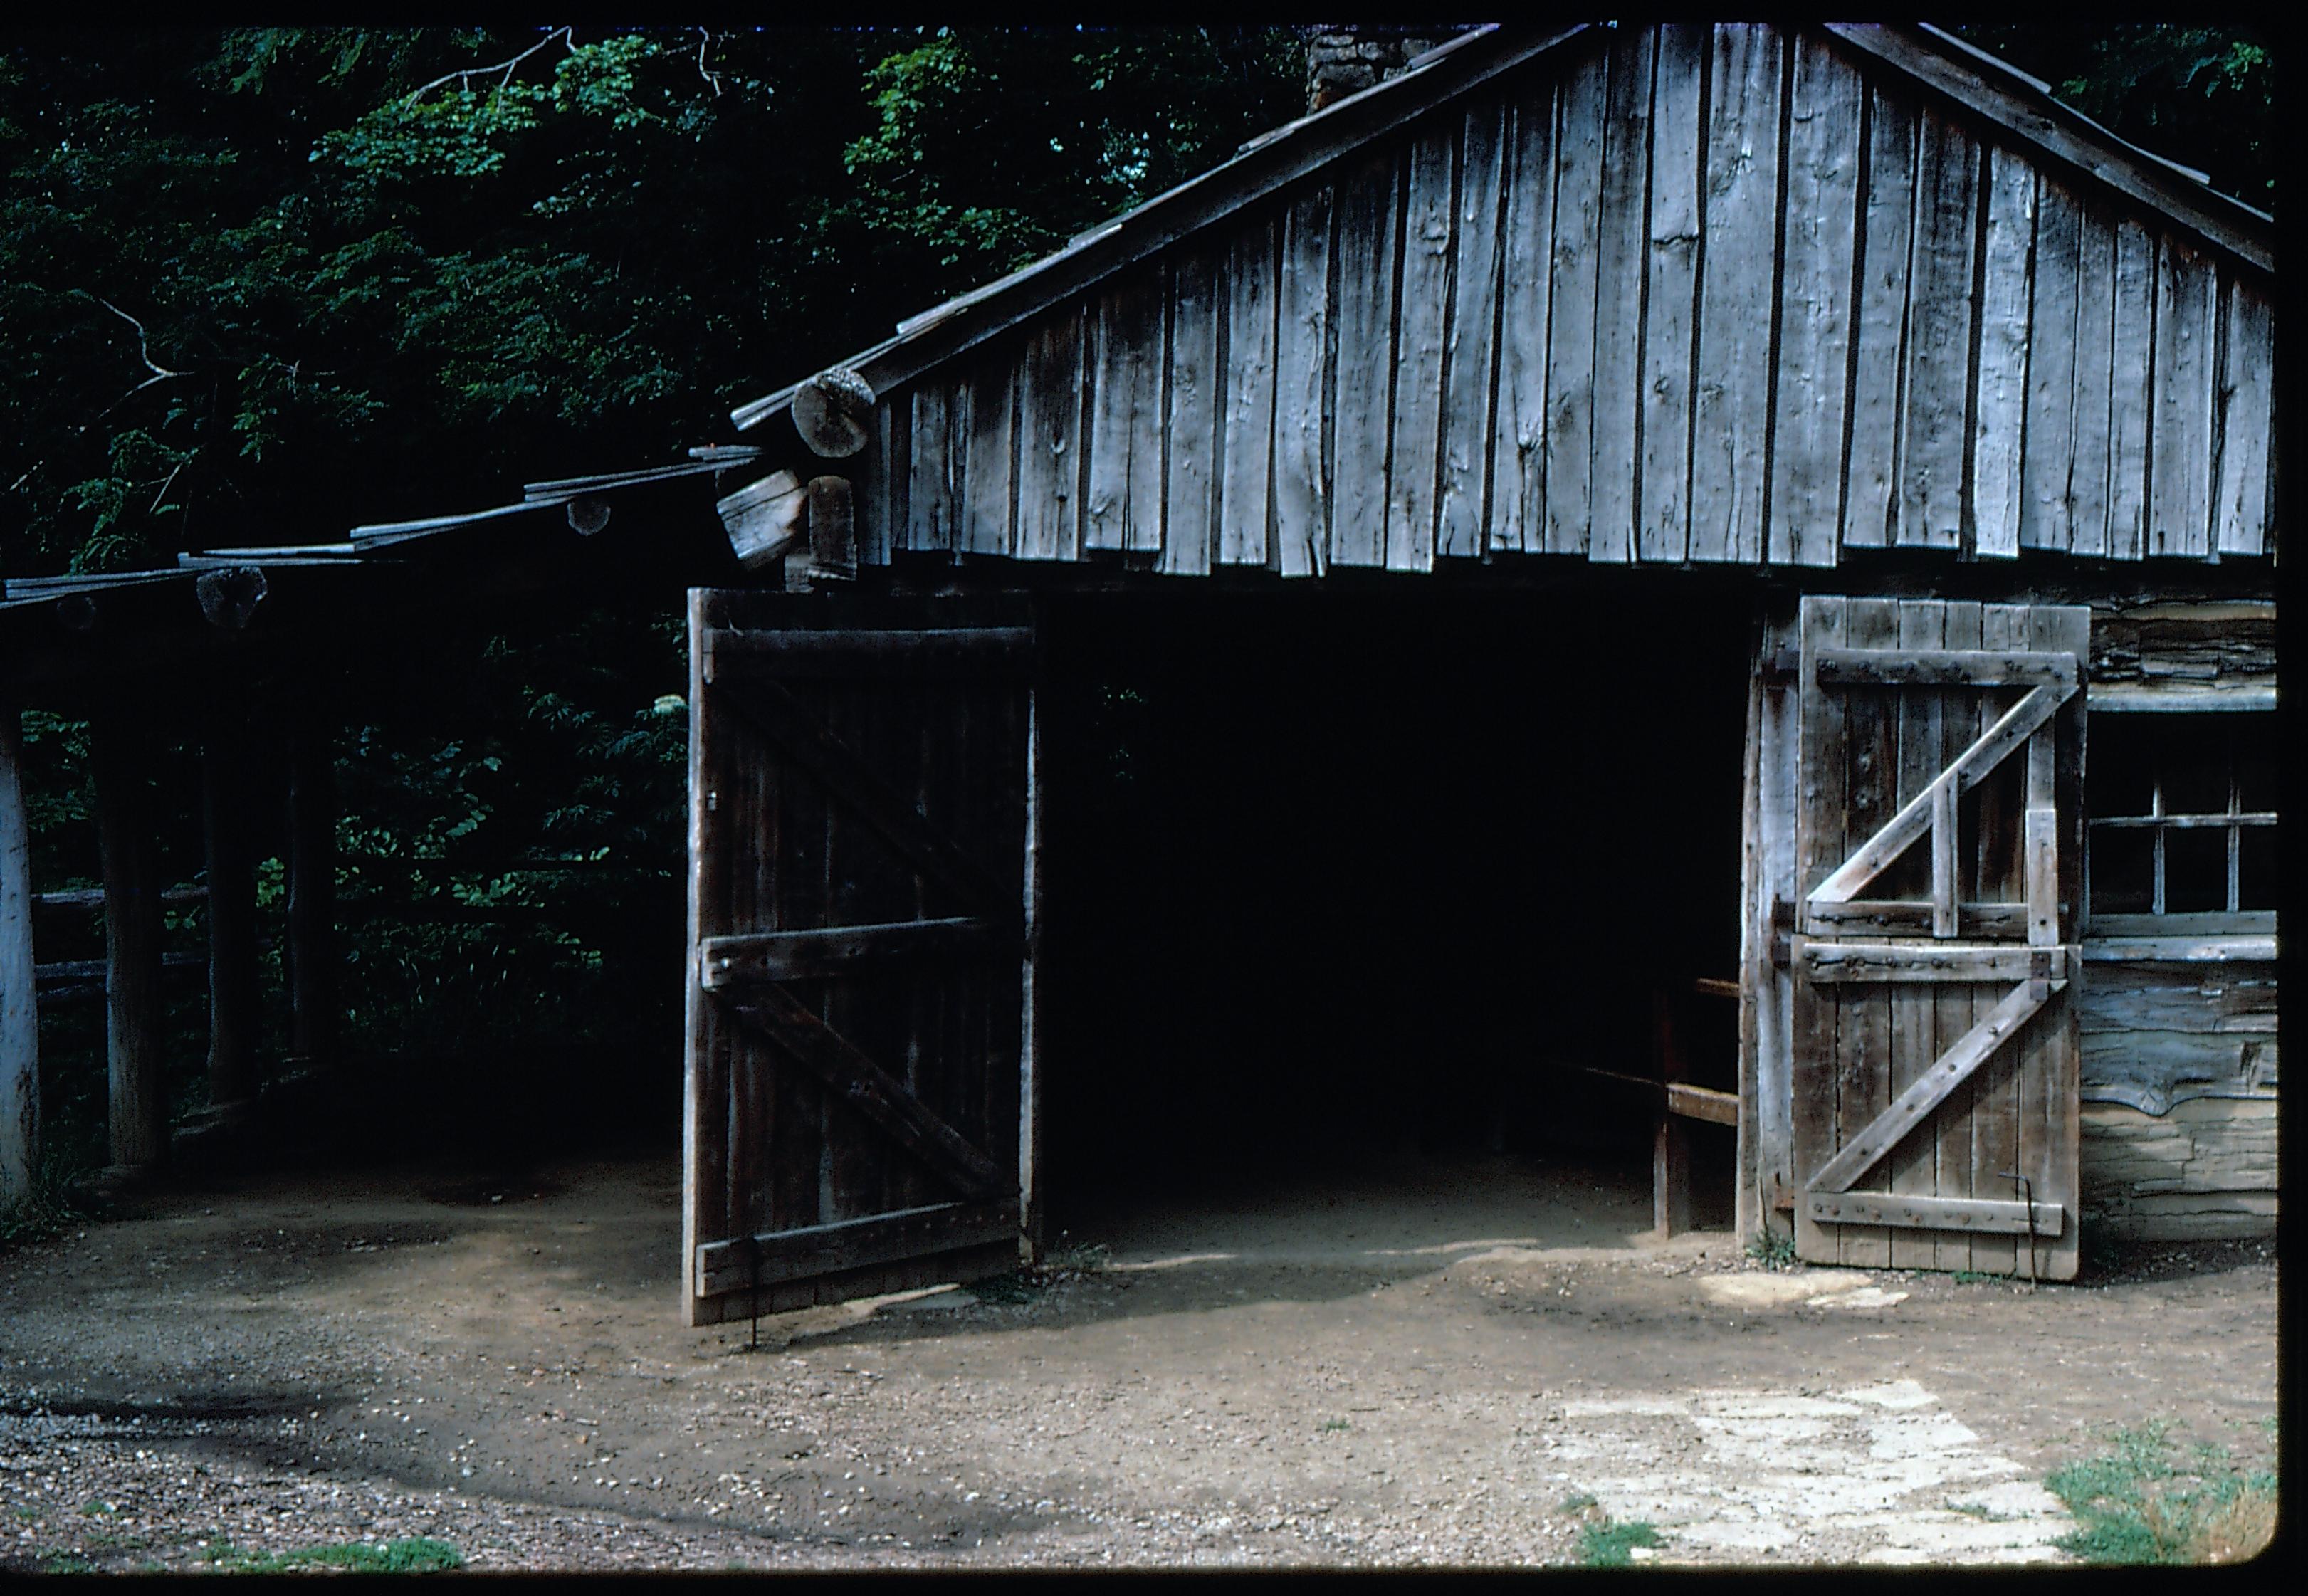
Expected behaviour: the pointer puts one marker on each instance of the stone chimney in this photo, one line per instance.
(1347, 57)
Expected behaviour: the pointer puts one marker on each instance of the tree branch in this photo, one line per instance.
(704, 40)
(506, 68)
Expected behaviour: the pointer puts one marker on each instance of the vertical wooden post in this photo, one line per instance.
(20, 1018)
(133, 1035)
(1029, 1086)
(231, 902)
(1670, 1139)
(312, 953)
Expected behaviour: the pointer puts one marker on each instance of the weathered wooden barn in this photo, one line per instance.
(1828, 489)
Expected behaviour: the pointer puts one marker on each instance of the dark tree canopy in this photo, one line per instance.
(260, 284)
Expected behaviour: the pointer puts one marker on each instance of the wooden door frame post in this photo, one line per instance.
(313, 950)
(134, 1032)
(231, 902)
(1670, 1138)
(20, 1015)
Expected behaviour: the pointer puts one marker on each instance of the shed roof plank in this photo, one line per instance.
(1049, 438)
(2179, 474)
(1999, 430)
(2246, 417)
(1124, 433)
(1244, 498)
(929, 483)
(985, 480)
(1732, 398)
(1879, 361)
(1369, 258)
(1471, 344)
(1619, 295)
(1670, 300)
(1519, 461)
(2048, 451)
(1302, 504)
(2128, 392)
(1194, 415)
(1414, 467)
(1815, 307)
(2089, 430)
(1569, 436)
(882, 482)
(1931, 444)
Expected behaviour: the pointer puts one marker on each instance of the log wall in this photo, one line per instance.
(1725, 293)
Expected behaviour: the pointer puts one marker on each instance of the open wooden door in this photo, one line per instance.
(860, 784)
(1939, 845)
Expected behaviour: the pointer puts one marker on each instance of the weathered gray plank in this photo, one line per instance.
(1471, 345)
(883, 479)
(1949, 666)
(2180, 474)
(1815, 307)
(929, 483)
(1568, 440)
(1931, 442)
(1957, 1006)
(1729, 463)
(988, 523)
(2088, 475)
(1049, 439)
(1880, 329)
(1868, 1042)
(1619, 273)
(1302, 513)
(1369, 256)
(1123, 509)
(1415, 436)
(2129, 397)
(1248, 392)
(2048, 451)
(1189, 531)
(2247, 379)
(743, 1263)
(1671, 298)
(1917, 1210)
(1999, 432)
(1927, 961)
(1518, 465)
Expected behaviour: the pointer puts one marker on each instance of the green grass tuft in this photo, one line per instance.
(1772, 1250)
(1331, 1424)
(417, 1555)
(1607, 1545)
(2133, 1506)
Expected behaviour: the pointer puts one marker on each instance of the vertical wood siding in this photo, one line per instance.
(1723, 293)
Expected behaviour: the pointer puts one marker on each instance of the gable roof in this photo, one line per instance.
(2021, 107)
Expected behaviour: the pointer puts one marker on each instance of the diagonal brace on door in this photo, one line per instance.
(1951, 1070)
(1933, 809)
(848, 1072)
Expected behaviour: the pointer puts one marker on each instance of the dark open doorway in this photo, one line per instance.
(1351, 877)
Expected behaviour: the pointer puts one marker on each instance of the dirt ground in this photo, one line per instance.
(1419, 1365)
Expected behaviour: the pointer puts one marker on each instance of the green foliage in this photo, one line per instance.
(2203, 95)
(417, 1555)
(1773, 1250)
(2133, 1506)
(254, 278)
(1603, 1544)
